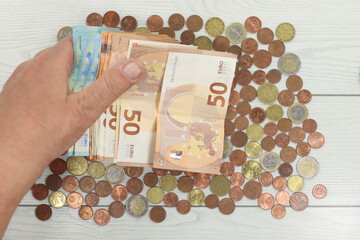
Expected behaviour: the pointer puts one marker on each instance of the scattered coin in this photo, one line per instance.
(319, 191)
(237, 179)
(255, 132)
(214, 26)
(265, 179)
(176, 21)
(245, 61)
(203, 42)
(183, 206)
(257, 115)
(157, 214)
(154, 23)
(53, 182)
(253, 150)
(265, 36)
(167, 31)
(43, 212)
(279, 183)
(262, 59)
(85, 212)
(96, 170)
(235, 32)
(87, 184)
(299, 201)
(103, 188)
(270, 161)
(274, 112)
(282, 140)
(241, 123)
(252, 189)
(285, 169)
(57, 199)
(229, 127)
(303, 149)
(221, 44)
(235, 49)
(94, 19)
(316, 140)
(40, 191)
(284, 125)
(128, 24)
(77, 165)
(92, 199)
(230, 113)
(168, 182)
(294, 83)
(295, 183)
(236, 194)
(227, 169)
(70, 183)
(57, 166)
(226, 206)
(304, 96)
(160, 172)
(278, 211)
(282, 197)
(252, 24)
(297, 134)
(267, 143)
(243, 77)
(175, 172)
(237, 157)
(266, 201)
(267, 93)
(289, 64)
(239, 139)
(228, 147)
(196, 197)
(309, 125)
(116, 209)
(211, 201)
(249, 45)
(137, 206)
(201, 180)
(285, 32)
(307, 167)
(248, 93)
(102, 217)
(119, 193)
(286, 98)
(243, 108)
(64, 32)
(271, 129)
(259, 77)
(143, 30)
(220, 185)
(171, 199)
(185, 184)
(74, 200)
(111, 19)
(134, 172)
(134, 186)
(194, 23)
(288, 154)
(276, 48)
(297, 113)
(114, 174)
(187, 37)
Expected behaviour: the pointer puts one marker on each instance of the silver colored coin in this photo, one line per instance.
(64, 32)
(297, 113)
(270, 161)
(137, 206)
(289, 64)
(228, 147)
(235, 32)
(307, 167)
(115, 174)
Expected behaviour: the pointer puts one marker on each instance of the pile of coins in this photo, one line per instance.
(251, 132)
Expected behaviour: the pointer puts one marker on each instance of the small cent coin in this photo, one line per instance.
(226, 206)
(92, 199)
(252, 189)
(265, 36)
(64, 32)
(309, 125)
(237, 179)
(167, 31)
(259, 77)
(267, 143)
(274, 76)
(262, 59)
(102, 217)
(303, 149)
(299, 201)
(249, 45)
(304, 96)
(236, 32)
(221, 44)
(235, 49)
(284, 125)
(94, 19)
(241, 123)
(282, 197)
(243, 108)
(248, 93)
(160, 172)
(289, 64)
(183, 206)
(114, 174)
(271, 129)
(40, 191)
(230, 113)
(276, 48)
(288, 154)
(266, 201)
(187, 37)
(119, 193)
(319, 191)
(211, 201)
(278, 211)
(282, 140)
(239, 139)
(316, 140)
(74, 200)
(279, 183)
(245, 61)
(226, 168)
(297, 134)
(257, 115)
(134, 172)
(43, 212)
(201, 180)
(134, 186)
(157, 214)
(87, 184)
(53, 182)
(185, 184)
(285, 169)
(117, 209)
(111, 19)
(57, 199)
(236, 194)
(103, 188)
(128, 24)
(307, 167)
(285, 32)
(295, 183)
(96, 170)
(286, 98)
(137, 206)
(154, 23)
(243, 77)
(176, 21)
(265, 179)
(252, 24)
(237, 157)
(294, 83)
(57, 166)
(85, 212)
(77, 165)
(194, 23)
(70, 183)
(171, 199)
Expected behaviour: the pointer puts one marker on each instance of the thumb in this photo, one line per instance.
(105, 90)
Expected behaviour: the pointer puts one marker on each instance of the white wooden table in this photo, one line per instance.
(327, 41)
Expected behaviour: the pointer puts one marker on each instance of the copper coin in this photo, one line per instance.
(274, 76)
(157, 214)
(243, 77)
(252, 189)
(92, 199)
(285, 169)
(319, 191)
(150, 179)
(134, 186)
(85, 212)
(236, 194)
(116, 209)
(316, 140)
(235, 49)
(303, 149)
(226, 206)
(185, 184)
(183, 206)
(309, 125)
(211, 201)
(74, 200)
(221, 44)
(234, 98)
(265, 36)
(262, 59)
(248, 93)
(134, 172)
(237, 157)
(189, 174)
(70, 183)
(187, 37)
(103, 188)
(245, 61)
(243, 108)
(241, 123)
(270, 129)
(57, 166)
(276, 48)
(171, 199)
(176, 21)
(282, 197)
(128, 24)
(237, 179)
(53, 182)
(304, 96)
(279, 183)
(297, 134)
(257, 115)
(154, 23)
(201, 180)
(286, 98)
(284, 125)
(249, 45)
(267, 143)
(102, 217)
(278, 211)
(299, 201)
(252, 24)
(111, 19)
(265, 179)
(40, 191)
(239, 139)
(259, 77)
(288, 154)
(226, 169)
(94, 19)
(167, 31)
(282, 140)
(266, 201)
(230, 113)
(194, 23)
(294, 83)
(160, 172)
(175, 172)
(87, 184)
(119, 193)
(43, 212)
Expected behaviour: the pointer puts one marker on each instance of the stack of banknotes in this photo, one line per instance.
(173, 118)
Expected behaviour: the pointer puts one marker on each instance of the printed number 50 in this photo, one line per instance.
(132, 128)
(221, 89)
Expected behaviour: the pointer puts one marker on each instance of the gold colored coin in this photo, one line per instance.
(285, 32)
(251, 169)
(220, 185)
(215, 26)
(168, 182)
(267, 93)
(274, 112)
(270, 161)
(235, 32)
(255, 132)
(203, 42)
(253, 150)
(295, 183)
(155, 194)
(57, 199)
(96, 170)
(196, 197)
(143, 30)
(297, 113)
(77, 165)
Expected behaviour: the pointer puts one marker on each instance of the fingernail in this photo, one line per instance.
(132, 70)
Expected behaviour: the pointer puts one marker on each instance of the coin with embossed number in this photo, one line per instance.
(289, 64)
(236, 32)
(115, 174)
(270, 161)
(137, 205)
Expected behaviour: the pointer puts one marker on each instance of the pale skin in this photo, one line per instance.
(41, 118)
